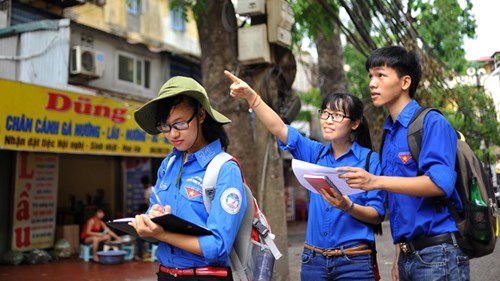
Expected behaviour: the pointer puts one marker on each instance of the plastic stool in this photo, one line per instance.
(130, 251)
(85, 250)
(111, 247)
(154, 247)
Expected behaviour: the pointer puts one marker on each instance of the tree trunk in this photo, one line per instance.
(331, 63)
(271, 185)
(218, 53)
(264, 173)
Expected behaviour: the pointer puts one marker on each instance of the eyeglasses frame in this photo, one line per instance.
(160, 125)
(331, 115)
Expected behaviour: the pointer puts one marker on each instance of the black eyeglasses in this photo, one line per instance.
(336, 117)
(179, 126)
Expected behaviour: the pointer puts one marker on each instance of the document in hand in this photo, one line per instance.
(321, 182)
(301, 168)
(169, 222)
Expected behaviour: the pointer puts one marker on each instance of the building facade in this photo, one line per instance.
(72, 73)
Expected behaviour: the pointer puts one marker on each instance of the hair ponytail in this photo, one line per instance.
(362, 134)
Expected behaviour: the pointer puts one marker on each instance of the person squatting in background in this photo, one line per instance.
(338, 240)
(182, 113)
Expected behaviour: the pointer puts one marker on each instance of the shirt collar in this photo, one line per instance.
(355, 148)
(404, 116)
(204, 155)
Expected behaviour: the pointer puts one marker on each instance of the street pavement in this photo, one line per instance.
(482, 269)
(486, 268)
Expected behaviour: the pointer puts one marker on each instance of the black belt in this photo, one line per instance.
(409, 247)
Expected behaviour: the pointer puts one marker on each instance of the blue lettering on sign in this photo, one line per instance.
(135, 135)
(113, 133)
(18, 123)
(44, 126)
(66, 128)
(87, 130)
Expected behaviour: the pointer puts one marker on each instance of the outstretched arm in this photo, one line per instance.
(266, 114)
(414, 186)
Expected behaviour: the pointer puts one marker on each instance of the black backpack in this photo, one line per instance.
(475, 220)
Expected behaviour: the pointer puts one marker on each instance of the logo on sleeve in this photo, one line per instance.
(405, 156)
(231, 200)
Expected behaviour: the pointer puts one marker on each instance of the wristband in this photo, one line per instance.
(350, 208)
(253, 103)
(257, 105)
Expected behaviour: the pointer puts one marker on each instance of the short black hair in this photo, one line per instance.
(403, 61)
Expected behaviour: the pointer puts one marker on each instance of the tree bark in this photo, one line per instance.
(271, 185)
(264, 172)
(330, 63)
(218, 53)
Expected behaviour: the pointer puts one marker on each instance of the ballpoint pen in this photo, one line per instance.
(158, 198)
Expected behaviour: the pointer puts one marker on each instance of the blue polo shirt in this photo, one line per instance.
(412, 217)
(186, 200)
(327, 226)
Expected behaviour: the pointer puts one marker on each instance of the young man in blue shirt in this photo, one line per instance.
(423, 229)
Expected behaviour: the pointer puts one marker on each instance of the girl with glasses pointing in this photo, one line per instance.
(340, 232)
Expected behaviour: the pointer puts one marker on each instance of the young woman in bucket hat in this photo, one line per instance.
(182, 113)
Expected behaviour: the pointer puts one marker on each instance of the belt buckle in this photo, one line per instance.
(405, 248)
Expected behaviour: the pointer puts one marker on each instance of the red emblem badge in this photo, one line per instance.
(405, 157)
(192, 193)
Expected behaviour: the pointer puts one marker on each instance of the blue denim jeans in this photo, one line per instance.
(318, 267)
(434, 263)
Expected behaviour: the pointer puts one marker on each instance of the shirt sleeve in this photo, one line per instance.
(226, 214)
(301, 147)
(438, 152)
(376, 198)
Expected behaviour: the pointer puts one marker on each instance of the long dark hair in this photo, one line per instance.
(211, 129)
(352, 106)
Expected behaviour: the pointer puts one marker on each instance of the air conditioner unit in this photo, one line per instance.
(86, 62)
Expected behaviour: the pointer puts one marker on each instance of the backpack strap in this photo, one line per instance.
(415, 134)
(319, 155)
(367, 163)
(241, 246)
(384, 134)
(169, 163)
(210, 178)
(416, 131)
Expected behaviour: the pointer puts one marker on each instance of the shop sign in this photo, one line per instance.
(35, 118)
(35, 200)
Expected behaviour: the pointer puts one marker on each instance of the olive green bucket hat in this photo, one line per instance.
(145, 116)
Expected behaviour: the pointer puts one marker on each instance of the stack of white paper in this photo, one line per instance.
(301, 168)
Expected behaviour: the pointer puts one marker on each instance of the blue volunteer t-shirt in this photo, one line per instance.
(411, 216)
(327, 226)
(226, 213)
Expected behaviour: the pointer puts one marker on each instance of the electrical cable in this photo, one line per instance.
(25, 57)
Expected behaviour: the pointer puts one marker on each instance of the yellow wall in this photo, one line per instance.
(112, 18)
